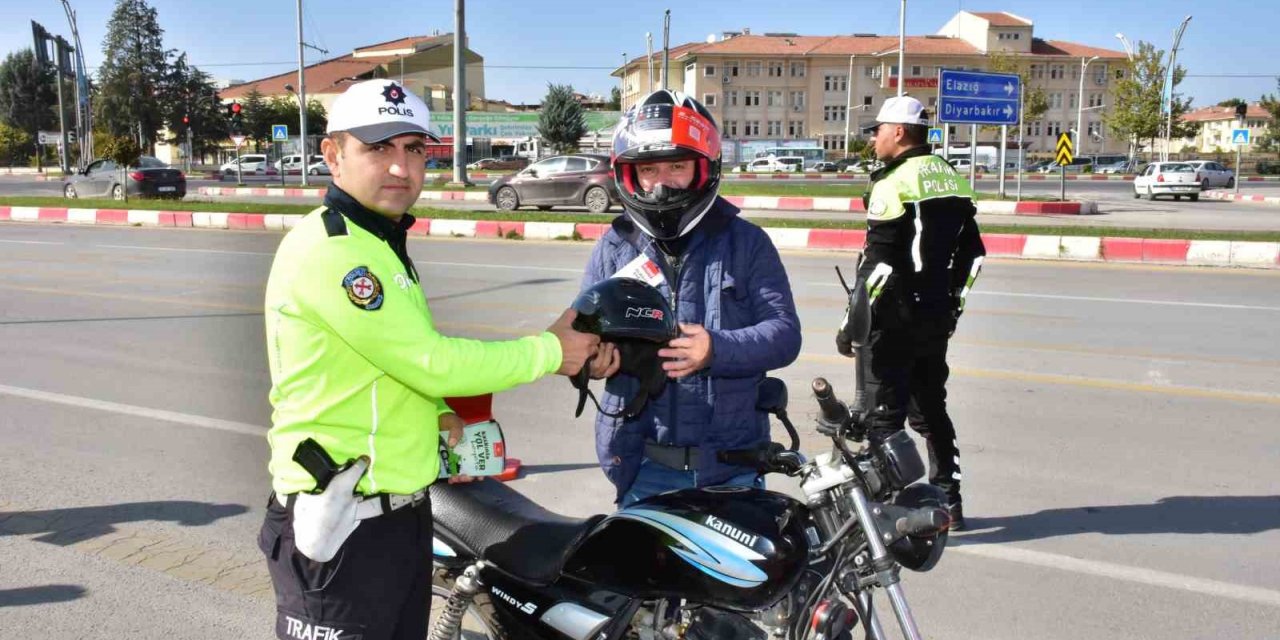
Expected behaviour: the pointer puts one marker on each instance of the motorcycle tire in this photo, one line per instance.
(479, 621)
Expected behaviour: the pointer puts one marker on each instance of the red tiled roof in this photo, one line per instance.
(404, 43)
(917, 45)
(1003, 19)
(322, 77)
(1062, 48)
(1211, 114)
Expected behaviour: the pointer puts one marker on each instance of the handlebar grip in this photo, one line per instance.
(741, 457)
(923, 522)
(833, 411)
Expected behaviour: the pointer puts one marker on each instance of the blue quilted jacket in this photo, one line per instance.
(733, 283)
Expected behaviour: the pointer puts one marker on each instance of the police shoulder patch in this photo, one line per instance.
(363, 289)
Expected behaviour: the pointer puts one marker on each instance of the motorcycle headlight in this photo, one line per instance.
(901, 459)
(920, 553)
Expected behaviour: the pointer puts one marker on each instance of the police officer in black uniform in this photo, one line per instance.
(922, 254)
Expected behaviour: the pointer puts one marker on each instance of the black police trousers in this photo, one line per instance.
(905, 379)
(378, 587)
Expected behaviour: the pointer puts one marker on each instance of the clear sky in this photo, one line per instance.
(528, 43)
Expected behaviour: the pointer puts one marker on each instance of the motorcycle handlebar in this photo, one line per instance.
(834, 413)
(765, 459)
(923, 522)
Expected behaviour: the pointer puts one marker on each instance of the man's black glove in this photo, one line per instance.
(843, 344)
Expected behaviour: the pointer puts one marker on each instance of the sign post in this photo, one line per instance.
(1063, 156)
(1239, 138)
(238, 140)
(280, 133)
(978, 98)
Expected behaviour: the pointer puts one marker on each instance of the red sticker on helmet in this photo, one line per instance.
(691, 130)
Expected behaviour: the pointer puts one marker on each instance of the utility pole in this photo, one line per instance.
(848, 105)
(459, 94)
(1080, 133)
(1168, 87)
(84, 115)
(902, 47)
(666, 42)
(302, 104)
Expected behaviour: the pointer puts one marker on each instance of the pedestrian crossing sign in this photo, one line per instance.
(279, 132)
(1239, 136)
(935, 135)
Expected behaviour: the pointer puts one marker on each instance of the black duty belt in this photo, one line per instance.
(679, 458)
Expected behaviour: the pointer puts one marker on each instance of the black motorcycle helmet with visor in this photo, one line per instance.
(636, 317)
(666, 126)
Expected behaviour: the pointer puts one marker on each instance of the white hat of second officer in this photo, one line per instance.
(900, 110)
(375, 110)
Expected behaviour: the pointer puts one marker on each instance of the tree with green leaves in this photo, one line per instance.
(125, 152)
(15, 144)
(258, 115)
(615, 100)
(28, 97)
(562, 122)
(1233, 103)
(1035, 102)
(1270, 139)
(191, 95)
(133, 73)
(1136, 114)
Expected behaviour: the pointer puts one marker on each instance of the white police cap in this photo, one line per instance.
(375, 110)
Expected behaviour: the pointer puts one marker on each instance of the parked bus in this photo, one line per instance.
(811, 155)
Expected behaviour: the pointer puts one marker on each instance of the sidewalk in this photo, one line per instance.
(777, 203)
(1219, 253)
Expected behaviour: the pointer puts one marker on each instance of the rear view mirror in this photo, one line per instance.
(533, 173)
(771, 396)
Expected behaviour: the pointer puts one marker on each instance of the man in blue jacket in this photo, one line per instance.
(728, 290)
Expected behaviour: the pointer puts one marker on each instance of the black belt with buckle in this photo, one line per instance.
(679, 458)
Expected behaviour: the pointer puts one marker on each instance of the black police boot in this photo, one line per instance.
(956, 511)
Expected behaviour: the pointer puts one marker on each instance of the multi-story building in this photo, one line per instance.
(784, 85)
(1214, 127)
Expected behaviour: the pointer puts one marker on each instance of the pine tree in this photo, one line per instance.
(132, 76)
(562, 122)
(190, 93)
(259, 115)
(28, 96)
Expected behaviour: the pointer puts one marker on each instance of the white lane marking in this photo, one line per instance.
(188, 419)
(29, 242)
(1179, 582)
(1171, 303)
(183, 250)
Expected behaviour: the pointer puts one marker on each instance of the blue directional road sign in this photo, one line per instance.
(280, 132)
(935, 135)
(972, 97)
(1239, 136)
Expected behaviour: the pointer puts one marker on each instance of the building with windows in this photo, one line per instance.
(785, 85)
(1215, 124)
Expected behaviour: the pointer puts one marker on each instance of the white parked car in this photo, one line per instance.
(1213, 174)
(318, 168)
(248, 163)
(294, 162)
(1175, 179)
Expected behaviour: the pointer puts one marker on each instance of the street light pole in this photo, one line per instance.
(848, 105)
(902, 47)
(1084, 66)
(302, 104)
(1168, 87)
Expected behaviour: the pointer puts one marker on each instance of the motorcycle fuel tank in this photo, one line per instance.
(732, 547)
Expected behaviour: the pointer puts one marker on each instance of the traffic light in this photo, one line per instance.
(186, 120)
(233, 112)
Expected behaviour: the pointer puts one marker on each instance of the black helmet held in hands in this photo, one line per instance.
(637, 318)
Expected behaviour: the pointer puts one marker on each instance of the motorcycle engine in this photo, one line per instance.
(714, 624)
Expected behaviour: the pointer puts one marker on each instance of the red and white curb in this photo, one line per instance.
(1226, 195)
(1219, 253)
(770, 203)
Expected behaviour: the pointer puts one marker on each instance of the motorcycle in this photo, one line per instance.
(713, 562)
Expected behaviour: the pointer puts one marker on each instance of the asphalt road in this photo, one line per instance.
(1115, 202)
(1117, 428)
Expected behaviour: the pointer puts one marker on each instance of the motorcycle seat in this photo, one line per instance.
(500, 525)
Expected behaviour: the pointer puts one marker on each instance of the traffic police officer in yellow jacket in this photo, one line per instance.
(358, 374)
(922, 254)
